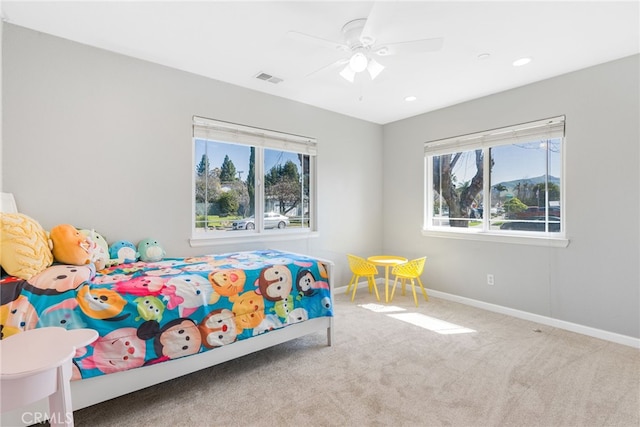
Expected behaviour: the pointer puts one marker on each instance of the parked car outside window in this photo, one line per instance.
(534, 223)
(271, 220)
(535, 211)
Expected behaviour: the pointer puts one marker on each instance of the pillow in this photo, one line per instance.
(24, 246)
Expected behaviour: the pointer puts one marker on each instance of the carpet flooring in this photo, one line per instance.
(441, 364)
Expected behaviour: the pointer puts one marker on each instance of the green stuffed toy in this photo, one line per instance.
(150, 250)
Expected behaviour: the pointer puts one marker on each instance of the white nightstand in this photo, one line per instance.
(37, 363)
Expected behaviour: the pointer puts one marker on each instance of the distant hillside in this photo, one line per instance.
(510, 185)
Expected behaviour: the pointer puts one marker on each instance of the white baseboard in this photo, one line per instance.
(544, 320)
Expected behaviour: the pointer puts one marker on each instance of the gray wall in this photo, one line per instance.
(103, 141)
(595, 280)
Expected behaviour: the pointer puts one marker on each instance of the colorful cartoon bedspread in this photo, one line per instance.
(147, 313)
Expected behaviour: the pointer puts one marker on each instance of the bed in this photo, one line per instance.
(161, 320)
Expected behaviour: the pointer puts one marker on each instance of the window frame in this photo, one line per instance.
(550, 128)
(261, 139)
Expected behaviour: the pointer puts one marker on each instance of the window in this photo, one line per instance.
(504, 182)
(250, 182)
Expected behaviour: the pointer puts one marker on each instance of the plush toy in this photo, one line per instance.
(70, 246)
(123, 251)
(150, 250)
(24, 246)
(100, 248)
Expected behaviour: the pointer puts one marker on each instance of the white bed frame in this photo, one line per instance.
(94, 390)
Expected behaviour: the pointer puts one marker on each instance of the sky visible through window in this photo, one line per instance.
(239, 155)
(514, 162)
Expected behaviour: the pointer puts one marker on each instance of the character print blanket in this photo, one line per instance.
(150, 312)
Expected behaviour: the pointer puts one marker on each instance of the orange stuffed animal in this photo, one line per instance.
(70, 246)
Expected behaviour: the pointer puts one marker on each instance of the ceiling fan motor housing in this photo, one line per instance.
(352, 31)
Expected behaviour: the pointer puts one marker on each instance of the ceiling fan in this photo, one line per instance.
(361, 46)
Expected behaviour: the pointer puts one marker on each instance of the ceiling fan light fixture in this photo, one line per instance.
(348, 74)
(374, 68)
(358, 62)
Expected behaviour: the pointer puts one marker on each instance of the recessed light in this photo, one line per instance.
(522, 61)
(410, 98)
(483, 56)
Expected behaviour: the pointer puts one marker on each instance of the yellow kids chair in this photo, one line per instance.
(409, 270)
(360, 267)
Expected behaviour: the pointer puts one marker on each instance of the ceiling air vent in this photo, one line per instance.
(268, 78)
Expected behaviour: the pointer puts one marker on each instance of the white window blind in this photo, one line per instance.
(230, 132)
(527, 132)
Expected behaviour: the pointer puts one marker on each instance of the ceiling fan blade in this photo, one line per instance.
(318, 41)
(415, 46)
(380, 15)
(333, 64)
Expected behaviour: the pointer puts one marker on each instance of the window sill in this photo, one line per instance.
(205, 239)
(519, 239)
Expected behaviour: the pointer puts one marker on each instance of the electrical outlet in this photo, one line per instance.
(489, 279)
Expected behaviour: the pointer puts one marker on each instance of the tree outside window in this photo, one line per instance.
(225, 193)
(504, 181)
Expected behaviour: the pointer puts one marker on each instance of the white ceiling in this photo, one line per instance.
(234, 41)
